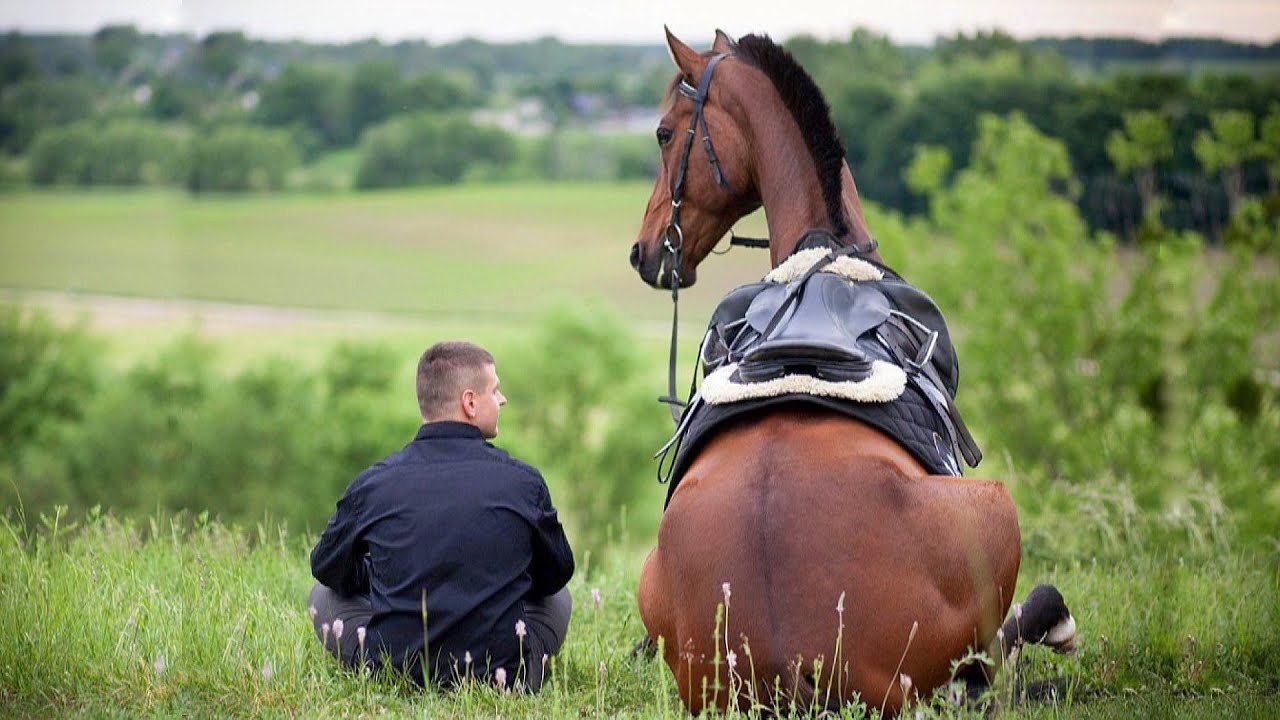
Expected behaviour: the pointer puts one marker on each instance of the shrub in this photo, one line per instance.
(428, 148)
(62, 156)
(240, 158)
(121, 152)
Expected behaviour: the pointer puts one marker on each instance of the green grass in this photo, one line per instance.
(190, 618)
(404, 268)
(468, 252)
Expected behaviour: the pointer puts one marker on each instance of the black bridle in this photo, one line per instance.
(673, 235)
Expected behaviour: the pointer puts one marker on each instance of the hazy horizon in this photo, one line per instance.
(637, 22)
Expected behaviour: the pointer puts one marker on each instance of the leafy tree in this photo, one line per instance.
(1145, 142)
(17, 61)
(114, 47)
(221, 54)
(1224, 149)
(38, 104)
(1269, 131)
(376, 93)
(307, 96)
(439, 91)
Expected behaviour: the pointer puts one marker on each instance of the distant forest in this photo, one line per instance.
(226, 112)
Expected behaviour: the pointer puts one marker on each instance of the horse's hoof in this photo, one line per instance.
(646, 648)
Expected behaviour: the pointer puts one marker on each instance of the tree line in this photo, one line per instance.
(228, 112)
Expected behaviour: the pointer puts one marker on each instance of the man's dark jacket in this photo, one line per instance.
(461, 520)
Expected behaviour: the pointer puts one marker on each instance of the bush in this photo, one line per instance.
(579, 413)
(62, 156)
(1135, 373)
(428, 149)
(121, 152)
(240, 158)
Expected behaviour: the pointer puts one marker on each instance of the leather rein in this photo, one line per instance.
(673, 235)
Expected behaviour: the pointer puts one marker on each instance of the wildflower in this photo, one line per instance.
(520, 629)
(732, 659)
(840, 604)
(466, 658)
(360, 633)
(312, 612)
(337, 629)
(500, 678)
(160, 664)
(268, 670)
(727, 592)
(595, 597)
(1017, 610)
(905, 681)
(324, 631)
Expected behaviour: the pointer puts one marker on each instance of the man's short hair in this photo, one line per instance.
(445, 370)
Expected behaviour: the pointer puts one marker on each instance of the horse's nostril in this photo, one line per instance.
(635, 256)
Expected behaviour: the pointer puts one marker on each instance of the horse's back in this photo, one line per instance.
(809, 515)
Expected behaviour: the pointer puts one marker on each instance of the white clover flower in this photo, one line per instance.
(1017, 610)
(500, 678)
(360, 634)
(727, 592)
(732, 659)
(268, 670)
(520, 632)
(905, 681)
(324, 630)
(312, 612)
(595, 597)
(840, 604)
(466, 658)
(337, 629)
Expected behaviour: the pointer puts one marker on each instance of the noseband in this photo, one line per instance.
(673, 235)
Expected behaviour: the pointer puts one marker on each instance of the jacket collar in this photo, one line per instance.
(448, 429)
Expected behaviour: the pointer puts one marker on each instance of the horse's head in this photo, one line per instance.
(706, 181)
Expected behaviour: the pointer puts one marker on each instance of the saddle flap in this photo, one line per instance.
(829, 312)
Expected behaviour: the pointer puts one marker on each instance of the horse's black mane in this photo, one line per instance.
(809, 108)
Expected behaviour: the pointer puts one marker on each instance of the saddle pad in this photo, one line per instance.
(886, 383)
(910, 420)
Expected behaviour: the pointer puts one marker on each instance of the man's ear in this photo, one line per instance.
(468, 401)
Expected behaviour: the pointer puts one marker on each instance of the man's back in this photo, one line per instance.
(455, 517)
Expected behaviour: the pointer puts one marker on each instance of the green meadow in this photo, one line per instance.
(164, 614)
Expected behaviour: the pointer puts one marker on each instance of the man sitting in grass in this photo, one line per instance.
(449, 535)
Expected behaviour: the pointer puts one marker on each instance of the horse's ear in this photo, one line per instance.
(689, 61)
(724, 43)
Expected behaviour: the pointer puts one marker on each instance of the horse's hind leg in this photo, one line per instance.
(654, 599)
(1042, 619)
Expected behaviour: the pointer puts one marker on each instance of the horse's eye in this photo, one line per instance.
(664, 136)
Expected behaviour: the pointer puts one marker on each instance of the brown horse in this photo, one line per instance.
(807, 557)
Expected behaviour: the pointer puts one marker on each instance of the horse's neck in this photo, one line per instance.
(791, 192)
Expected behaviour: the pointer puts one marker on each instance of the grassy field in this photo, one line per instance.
(181, 618)
(405, 267)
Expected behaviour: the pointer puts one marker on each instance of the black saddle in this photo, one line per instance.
(833, 328)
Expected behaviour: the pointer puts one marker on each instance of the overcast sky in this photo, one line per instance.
(641, 21)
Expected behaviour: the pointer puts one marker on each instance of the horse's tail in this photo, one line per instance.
(1043, 619)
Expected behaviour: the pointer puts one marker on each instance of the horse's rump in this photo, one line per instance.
(809, 539)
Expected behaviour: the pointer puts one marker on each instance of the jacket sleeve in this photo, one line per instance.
(338, 558)
(552, 564)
